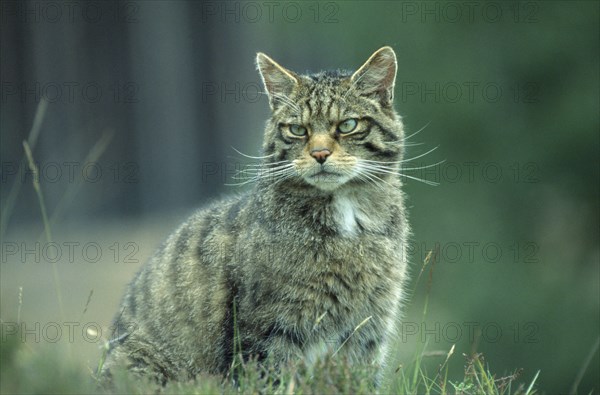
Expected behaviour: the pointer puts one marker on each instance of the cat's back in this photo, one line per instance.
(185, 290)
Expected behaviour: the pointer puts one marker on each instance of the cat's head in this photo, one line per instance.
(333, 128)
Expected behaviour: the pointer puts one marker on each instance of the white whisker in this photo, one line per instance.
(366, 177)
(261, 173)
(372, 169)
(423, 167)
(369, 173)
(379, 169)
(432, 183)
(250, 156)
(238, 184)
(422, 155)
(417, 132)
(399, 161)
(267, 163)
(411, 144)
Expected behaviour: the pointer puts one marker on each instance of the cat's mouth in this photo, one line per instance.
(324, 173)
(325, 179)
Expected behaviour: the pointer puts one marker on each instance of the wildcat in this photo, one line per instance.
(311, 261)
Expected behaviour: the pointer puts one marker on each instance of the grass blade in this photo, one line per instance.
(532, 383)
(16, 187)
(47, 229)
(584, 366)
(93, 155)
(353, 332)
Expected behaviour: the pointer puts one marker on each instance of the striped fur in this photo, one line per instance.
(304, 259)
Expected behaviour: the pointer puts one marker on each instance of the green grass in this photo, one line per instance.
(29, 368)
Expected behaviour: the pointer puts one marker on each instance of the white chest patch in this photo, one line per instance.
(347, 215)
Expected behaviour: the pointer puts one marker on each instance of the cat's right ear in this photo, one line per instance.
(378, 75)
(278, 81)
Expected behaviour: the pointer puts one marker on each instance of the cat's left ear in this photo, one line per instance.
(279, 82)
(377, 75)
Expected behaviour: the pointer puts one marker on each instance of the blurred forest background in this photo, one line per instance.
(141, 103)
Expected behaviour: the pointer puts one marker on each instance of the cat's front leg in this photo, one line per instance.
(281, 348)
(366, 354)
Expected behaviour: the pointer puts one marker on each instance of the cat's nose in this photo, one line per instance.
(320, 154)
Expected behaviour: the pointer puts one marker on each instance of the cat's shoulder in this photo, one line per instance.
(221, 212)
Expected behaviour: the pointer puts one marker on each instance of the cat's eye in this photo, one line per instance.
(347, 126)
(297, 130)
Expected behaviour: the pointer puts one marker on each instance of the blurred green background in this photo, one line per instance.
(508, 91)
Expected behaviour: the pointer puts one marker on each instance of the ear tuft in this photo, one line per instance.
(278, 81)
(377, 75)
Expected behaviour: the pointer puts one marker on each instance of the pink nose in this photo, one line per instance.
(320, 154)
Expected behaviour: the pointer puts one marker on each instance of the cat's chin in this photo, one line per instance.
(326, 182)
